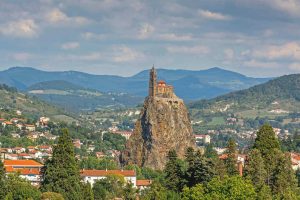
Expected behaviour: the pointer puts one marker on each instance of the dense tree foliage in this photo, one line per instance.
(173, 172)
(20, 189)
(3, 184)
(228, 188)
(62, 172)
(231, 160)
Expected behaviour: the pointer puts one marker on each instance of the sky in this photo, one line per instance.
(259, 38)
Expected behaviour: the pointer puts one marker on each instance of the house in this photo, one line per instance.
(100, 155)
(295, 158)
(14, 120)
(11, 156)
(19, 150)
(44, 121)
(19, 126)
(202, 139)
(45, 148)
(15, 135)
(18, 112)
(91, 148)
(31, 148)
(143, 184)
(77, 143)
(240, 158)
(125, 134)
(28, 169)
(24, 156)
(91, 176)
(30, 127)
(33, 136)
(7, 123)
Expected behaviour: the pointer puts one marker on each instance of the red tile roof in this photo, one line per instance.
(23, 171)
(107, 172)
(143, 182)
(25, 163)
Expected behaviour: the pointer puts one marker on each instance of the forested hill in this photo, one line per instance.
(281, 94)
(31, 107)
(76, 98)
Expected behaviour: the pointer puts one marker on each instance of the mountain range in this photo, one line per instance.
(188, 84)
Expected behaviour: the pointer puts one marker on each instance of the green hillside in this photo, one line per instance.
(31, 107)
(76, 98)
(274, 98)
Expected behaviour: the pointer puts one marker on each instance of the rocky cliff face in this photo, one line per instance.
(163, 125)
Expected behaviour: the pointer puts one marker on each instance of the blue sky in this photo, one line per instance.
(255, 37)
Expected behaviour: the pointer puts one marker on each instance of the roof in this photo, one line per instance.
(8, 123)
(107, 172)
(25, 163)
(23, 171)
(143, 182)
(161, 82)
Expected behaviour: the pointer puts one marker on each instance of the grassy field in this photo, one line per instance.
(217, 121)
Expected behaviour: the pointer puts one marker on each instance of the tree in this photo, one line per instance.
(284, 183)
(193, 193)
(129, 192)
(210, 152)
(200, 169)
(266, 141)
(3, 185)
(61, 174)
(87, 191)
(233, 187)
(173, 172)
(255, 169)
(231, 159)
(109, 188)
(51, 196)
(156, 191)
(19, 188)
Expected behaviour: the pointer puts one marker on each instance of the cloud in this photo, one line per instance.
(229, 54)
(188, 50)
(290, 50)
(93, 56)
(291, 7)
(213, 15)
(70, 45)
(90, 35)
(261, 64)
(126, 54)
(56, 16)
(24, 28)
(145, 31)
(22, 56)
(174, 37)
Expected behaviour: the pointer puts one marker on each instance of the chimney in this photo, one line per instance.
(240, 168)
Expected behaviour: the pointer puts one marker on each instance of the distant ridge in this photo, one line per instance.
(190, 85)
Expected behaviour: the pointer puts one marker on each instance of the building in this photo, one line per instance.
(143, 184)
(7, 123)
(295, 158)
(29, 127)
(125, 134)
(202, 139)
(91, 176)
(160, 88)
(28, 169)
